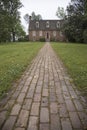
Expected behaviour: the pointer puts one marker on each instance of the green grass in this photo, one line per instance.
(14, 58)
(74, 56)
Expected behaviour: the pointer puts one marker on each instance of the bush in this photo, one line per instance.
(42, 39)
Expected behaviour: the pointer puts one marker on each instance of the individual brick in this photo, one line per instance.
(44, 115)
(35, 109)
(63, 112)
(2, 117)
(76, 123)
(27, 104)
(53, 107)
(22, 119)
(70, 105)
(55, 122)
(15, 110)
(21, 97)
(66, 124)
(33, 123)
(9, 124)
(44, 126)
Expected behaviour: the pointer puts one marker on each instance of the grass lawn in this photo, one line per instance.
(74, 57)
(13, 60)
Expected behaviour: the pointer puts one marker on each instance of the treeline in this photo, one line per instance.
(10, 23)
(75, 25)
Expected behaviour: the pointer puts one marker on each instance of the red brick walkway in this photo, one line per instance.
(44, 98)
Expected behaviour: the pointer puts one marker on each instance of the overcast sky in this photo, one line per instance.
(47, 8)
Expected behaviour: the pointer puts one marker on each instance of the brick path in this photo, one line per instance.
(44, 98)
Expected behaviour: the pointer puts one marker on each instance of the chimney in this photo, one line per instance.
(29, 18)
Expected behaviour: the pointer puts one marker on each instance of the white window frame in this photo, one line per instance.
(34, 33)
(47, 24)
(58, 24)
(37, 24)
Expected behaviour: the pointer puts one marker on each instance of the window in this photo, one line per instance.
(58, 24)
(47, 24)
(37, 24)
(54, 33)
(34, 33)
(40, 33)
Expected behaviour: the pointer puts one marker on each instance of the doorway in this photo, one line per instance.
(47, 37)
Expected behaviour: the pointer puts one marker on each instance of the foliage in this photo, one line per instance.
(42, 40)
(75, 21)
(14, 58)
(9, 19)
(60, 13)
(33, 17)
(74, 57)
(26, 18)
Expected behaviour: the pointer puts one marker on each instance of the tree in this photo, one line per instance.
(9, 18)
(75, 23)
(33, 17)
(60, 13)
(26, 17)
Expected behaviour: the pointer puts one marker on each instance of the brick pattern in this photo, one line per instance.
(44, 98)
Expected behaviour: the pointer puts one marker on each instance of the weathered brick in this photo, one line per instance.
(73, 95)
(9, 124)
(19, 129)
(83, 117)
(44, 102)
(76, 123)
(33, 123)
(78, 105)
(35, 109)
(30, 93)
(44, 115)
(52, 97)
(63, 110)
(45, 93)
(53, 107)
(55, 122)
(38, 89)
(66, 95)
(66, 124)
(9, 104)
(60, 98)
(37, 97)
(22, 119)
(24, 89)
(44, 126)
(21, 97)
(27, 104)
(15, 95)
(70, 105)
(2, 117)
(15, 110)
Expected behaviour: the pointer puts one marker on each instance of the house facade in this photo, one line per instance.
(48, 30)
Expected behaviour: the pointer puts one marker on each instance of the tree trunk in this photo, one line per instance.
(13, 35)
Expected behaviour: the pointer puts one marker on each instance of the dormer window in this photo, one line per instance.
(37, 24)
(58, 24)
(47, 24)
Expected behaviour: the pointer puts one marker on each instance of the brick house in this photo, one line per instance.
(48, 30)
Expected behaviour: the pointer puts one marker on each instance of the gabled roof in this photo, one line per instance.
(43, 24)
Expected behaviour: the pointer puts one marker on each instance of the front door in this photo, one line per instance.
(47, 37)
